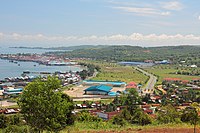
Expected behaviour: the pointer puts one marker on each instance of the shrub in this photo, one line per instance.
(141, 118)
(14, 119)
(3, 121)
(15, 129)
(85, 116)
(118, 120)
(168, 114)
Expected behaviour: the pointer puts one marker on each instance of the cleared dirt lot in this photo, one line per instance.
(5, 103)
(78, 91)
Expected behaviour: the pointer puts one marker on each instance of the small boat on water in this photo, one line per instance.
(26, 72)
(45, 73)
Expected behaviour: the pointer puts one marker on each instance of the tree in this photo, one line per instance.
(117, 120)
(3, 121)
(83, 74)
(116, 101)
(45, 108)
(16, 129)
(111, 107)
(14, 119)
(131, 100)
(146, 98)
(168, 114)
(85, 116)
(141, 118)
(190, 115)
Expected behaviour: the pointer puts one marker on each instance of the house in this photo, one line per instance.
(113, 93)
(164, 62)
(193, 66)
(12, 91)
(98, 90)
(107, 115)
(172, 79)
(131, 85)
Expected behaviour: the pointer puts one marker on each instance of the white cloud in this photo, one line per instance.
(1, 34)
(142, 11)
(172, 5)
(199, 18)
(147, 8)
(134, 39)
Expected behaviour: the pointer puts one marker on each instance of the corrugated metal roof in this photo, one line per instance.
(99, 88)
(105, 82)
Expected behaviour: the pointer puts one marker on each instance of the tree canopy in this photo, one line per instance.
(44, 107)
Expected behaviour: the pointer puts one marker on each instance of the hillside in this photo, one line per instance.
(190, 54)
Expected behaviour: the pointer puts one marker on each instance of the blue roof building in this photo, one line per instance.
(113, 94)
(134, 63)
(102, 82)
(98, 90)
(12, 91)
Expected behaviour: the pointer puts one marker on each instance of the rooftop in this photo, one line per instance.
(103, 88)
(104, 82)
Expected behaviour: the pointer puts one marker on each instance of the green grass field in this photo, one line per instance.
(108, 127)
(121, 73)
(165, 71)
(114, 72)
(101, 127)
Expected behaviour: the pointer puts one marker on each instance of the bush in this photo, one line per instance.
(190, 115)
(85, 116)
(3, 121)
(168, 114)
(141, 118)
(118, 120)
(16, 129)
(14, 119)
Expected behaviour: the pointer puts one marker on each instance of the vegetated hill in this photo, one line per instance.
(190, 54)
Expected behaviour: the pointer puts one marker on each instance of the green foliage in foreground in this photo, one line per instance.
(132, 113)
(108, 126)
(168, 114)
(45, 108)
(16, 129)
(87, 117)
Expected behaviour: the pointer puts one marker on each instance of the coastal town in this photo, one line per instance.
(100, 66)
(89, 94)
(50, 60)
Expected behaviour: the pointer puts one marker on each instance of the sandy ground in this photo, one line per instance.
(5, 103)
(78, 91)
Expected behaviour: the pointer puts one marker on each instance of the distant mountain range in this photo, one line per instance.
(189, 54)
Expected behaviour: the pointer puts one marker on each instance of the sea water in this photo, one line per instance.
(10, 69)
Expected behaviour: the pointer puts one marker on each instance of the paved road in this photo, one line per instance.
(149, 88)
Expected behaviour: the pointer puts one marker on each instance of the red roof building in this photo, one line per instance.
(172, 79)
(131, 85)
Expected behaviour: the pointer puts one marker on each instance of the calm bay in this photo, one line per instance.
(10, 69)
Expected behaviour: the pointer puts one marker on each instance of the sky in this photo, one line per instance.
(51, 23)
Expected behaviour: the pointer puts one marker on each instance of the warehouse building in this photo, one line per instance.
(101, 82)
(98, 90)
